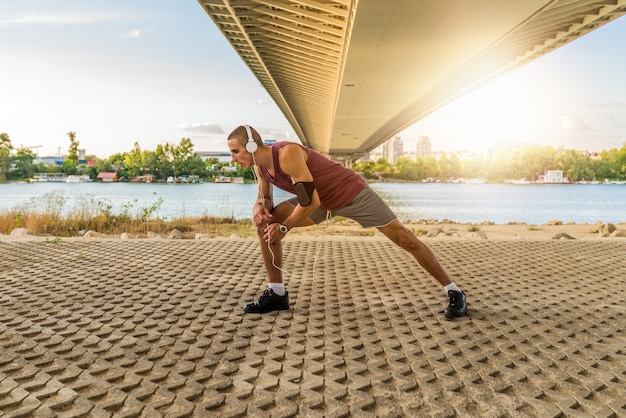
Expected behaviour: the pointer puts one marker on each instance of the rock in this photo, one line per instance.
(563, 235)
(21, 232)
(517, 237)
(200, 235)
(93, 234)
(477, 234)
(619, 233)
(175, 234)
(234, 236)
(554, 222)
(434, 232)
(607, 229)
(126, 235)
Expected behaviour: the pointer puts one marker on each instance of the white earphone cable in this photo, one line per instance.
(321, 244)
(268, 234)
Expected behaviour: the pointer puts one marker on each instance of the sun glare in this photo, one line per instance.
(506, 110)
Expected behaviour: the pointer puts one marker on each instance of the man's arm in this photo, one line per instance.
(262, 211)
(292, 160)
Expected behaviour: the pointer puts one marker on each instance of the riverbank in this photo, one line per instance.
(444, 230)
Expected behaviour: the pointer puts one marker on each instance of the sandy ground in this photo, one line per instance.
(431, 230)
(450, 230)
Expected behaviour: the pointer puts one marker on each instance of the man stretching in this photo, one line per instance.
(322, 188)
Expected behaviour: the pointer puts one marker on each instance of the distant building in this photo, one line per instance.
(376, 154)
(222, 156)
(398, 148)
(107, 177)
(424, 148)
(393, 149)
(50, 160)
(553, 176)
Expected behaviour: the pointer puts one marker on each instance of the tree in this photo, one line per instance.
(103, 166)
(162, 156)
(407, 169)
(428, 167)
(5, 155)
(383, 168)
(24, 167)
(133, 162)
(449, 166)
(472, 168)
(117, 159)
(616, 158)
(182, 157)
(72, 153)
(70, 165)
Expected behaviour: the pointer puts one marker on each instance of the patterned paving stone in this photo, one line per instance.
(155, 328)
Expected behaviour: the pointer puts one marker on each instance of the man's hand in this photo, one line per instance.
(261, 215)
(273, 234)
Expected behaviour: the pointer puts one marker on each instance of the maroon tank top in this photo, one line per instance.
(336, 185)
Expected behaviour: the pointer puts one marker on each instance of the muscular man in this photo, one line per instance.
(322, 188)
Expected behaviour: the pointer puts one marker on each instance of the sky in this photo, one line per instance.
(121, 72)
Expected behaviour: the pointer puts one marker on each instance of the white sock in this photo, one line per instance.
(278, 288)
(451, 286)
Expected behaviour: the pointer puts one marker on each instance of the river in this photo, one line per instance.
(499, 203)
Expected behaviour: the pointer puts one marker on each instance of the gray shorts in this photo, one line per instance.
(367, 208)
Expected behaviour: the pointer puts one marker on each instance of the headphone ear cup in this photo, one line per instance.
(251, 147)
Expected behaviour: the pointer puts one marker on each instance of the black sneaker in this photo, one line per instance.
(267, 302)
(456, 304)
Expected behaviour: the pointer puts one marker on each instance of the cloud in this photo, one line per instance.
(60, 18)
(202, 128)
(135, 33)
(572, 123)
(610, 105)
(617, 120)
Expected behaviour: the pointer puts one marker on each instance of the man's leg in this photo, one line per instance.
(275, 297)
(272, 256)
(405, 239)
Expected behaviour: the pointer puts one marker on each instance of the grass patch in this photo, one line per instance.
(48, 216)
(533, 227)
(473, 228)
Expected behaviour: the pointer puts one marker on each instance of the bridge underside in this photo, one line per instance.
(350, 74)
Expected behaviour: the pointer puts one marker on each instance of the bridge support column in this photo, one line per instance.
(346, 159)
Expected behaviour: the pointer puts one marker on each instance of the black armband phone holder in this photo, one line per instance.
(304, 191)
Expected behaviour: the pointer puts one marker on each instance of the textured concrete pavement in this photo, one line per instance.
(155, 328)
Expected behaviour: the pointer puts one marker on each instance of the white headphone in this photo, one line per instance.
(251, 146)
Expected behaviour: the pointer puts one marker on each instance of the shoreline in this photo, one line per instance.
(429, 230)
(448, 230)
